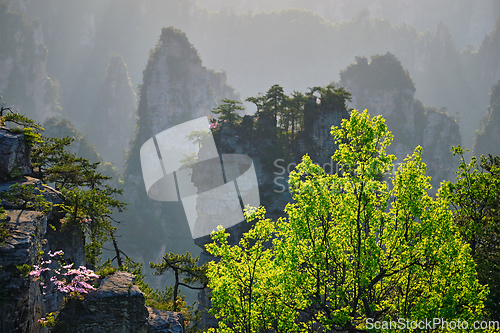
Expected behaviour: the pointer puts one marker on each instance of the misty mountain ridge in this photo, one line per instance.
(296, 47)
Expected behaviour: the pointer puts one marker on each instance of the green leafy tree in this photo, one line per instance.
(4, 230)
(333, 98)
(350, 249)
(475, 197)
(249, 286)
(89, 202)
(49, 158)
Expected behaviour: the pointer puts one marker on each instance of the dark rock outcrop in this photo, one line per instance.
(21, 297)
(164, 321)
(117, 306)
(14, 155)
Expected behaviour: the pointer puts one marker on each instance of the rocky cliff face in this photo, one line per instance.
(22, 302)
(440, 133)
(488, 138)
(81, 146)
(488, 58)
(442, 79)
(176, 88)
(113, 117)
(24, 84)
(385, 88)
(14, 155)
(81, 37)
(118, 306)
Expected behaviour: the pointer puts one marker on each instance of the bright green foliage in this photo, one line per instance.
(228, 111)
(350, 248)
(476, 199)
(27, 196)
(50, 320)
(250, 291)
(50, 160)
(29, 127)
(4, 232)
(24, 269)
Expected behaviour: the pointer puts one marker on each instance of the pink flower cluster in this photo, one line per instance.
(78, 283)
(214, 126)
(67, 279)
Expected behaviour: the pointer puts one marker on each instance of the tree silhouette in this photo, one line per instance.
(228, 111)
(186, 265)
